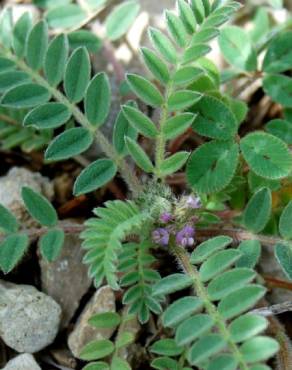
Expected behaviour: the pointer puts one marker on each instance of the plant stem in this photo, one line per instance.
(126, 172)
(160, 141)
(211, 309)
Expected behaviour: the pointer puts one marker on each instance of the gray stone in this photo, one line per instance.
(29, 319)
(10, 190)
(22, 362)
(66, 280)
(102, 301)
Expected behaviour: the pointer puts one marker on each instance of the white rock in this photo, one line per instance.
(102, 301)
(29, 319)
(66, 280)
(22, 362)
(11, 185)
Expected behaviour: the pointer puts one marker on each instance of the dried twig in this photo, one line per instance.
(276, 309)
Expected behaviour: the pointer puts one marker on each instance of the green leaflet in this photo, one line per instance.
(283, 254)
(84, 38)
(36, 47)
(96, 175)
(215, 119)
(6, 27)
(77, 75)
(65, 16)
(96, 366)
(186, 75)
(25, 96)
(195, 52)
(187, 16)
(98, 100)
(177, 125)
(71, 142)
(258, 210)
(259, 349)
(140, 121)
(183, 99)
(122, 129)
(162, 363)
(39, 207)
(12, 250)
(173, 163)
(229, 282)
(285, 222)
(279, 88)
(6, 64)
(176, 29)
(105, 320)
(11, 79)
(155, 65)
(208, 248)
(247, 326)
(139, 155)
(96, 350)
(55, 59)
(241, 300)
(282, 129)
(218, 263)
(212, 166)
(121, 19)
(193, 328)
(166, 347)
(145, 90)
(49, 115)
(120, 364)
(251, 253)
(171, 284)
(180, 310)
(8, 222)
(163, 45)
(51, 244)
(209, 345)
(20, 32)
(266, 155)
(237, 48)
(278, 56)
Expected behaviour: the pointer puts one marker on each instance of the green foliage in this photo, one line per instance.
(258, 210)
(104, 235)
(39, 207)
(51, 244)
(223, 292)
(266, 155)
(283, 253)
(138, 276)
(100, 349)
(212, 166)
(95, 176)
(12, 249)
(237, 48)
(47, 84)
(8, 222)
(72, 142)
(121, 18)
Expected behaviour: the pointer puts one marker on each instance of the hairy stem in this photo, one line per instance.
(200, 290)
(126, 172)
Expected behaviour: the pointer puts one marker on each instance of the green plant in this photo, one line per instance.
(210, 324)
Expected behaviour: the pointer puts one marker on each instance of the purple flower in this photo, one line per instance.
(160, 236)
(166, 217)
(193, 202)
(185, 237)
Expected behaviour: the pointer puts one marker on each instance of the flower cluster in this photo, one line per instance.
(185, 235)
